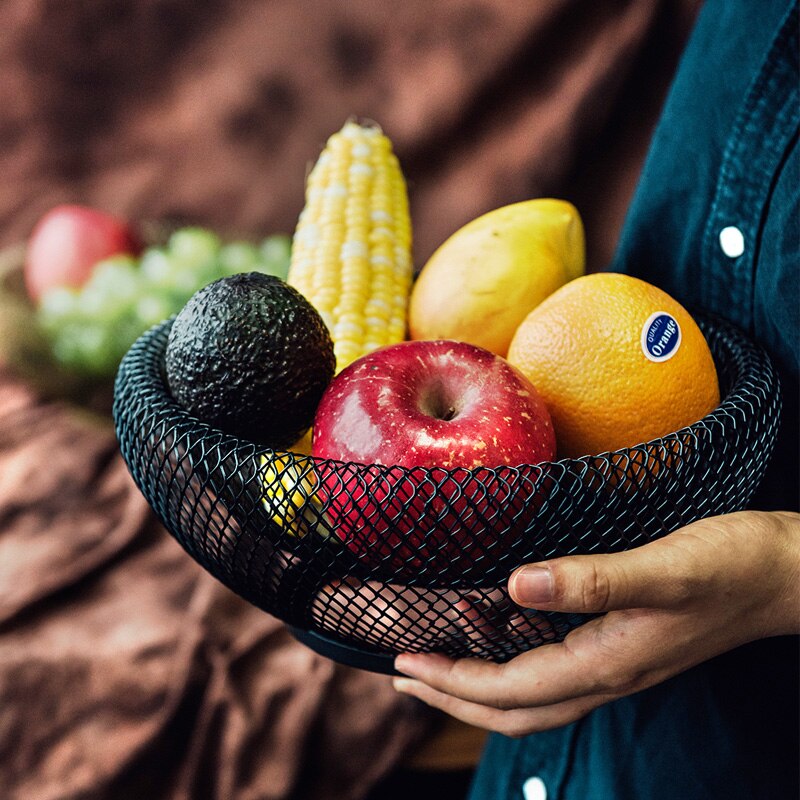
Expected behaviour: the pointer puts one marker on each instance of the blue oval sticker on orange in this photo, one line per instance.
(661, 336)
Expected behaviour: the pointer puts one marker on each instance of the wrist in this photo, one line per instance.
(783, 615)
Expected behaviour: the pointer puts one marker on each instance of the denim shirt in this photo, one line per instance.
(715, 223)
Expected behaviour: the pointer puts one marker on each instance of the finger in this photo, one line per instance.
(480, 620)
(655, 575)
(529, 627)
(513, 722)
(469, 618)
(473, 680)
(548, 674)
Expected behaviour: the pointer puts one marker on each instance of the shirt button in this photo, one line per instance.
(731, 240)
(534, 789)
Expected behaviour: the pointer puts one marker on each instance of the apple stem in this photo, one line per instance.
(433, 402)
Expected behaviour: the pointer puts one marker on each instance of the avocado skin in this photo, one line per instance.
(250, 355)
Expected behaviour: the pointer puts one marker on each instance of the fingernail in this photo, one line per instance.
(401, 684)
(418, 665)
(404, 664)
(532, 585)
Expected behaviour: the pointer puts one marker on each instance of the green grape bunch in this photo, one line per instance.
(91, 328)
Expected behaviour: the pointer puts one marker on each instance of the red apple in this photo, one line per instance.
(452, 408)
(66, 244)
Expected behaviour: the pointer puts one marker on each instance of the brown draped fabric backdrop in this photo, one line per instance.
(125, 671)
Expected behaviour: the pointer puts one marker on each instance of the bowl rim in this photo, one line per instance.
(196, 427)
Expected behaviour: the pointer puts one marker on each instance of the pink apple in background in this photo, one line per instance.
(68, 242)
(434, 404)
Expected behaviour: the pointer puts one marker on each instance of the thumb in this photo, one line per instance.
(649, 576)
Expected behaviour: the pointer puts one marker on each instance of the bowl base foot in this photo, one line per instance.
(369, 660)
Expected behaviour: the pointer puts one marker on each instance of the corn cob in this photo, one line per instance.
(351, 255)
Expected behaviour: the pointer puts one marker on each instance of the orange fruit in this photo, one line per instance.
(617, 361)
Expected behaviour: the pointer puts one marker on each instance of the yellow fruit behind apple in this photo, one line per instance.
(303, 444)
(485, 279)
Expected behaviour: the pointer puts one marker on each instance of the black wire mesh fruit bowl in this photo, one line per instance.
(366, 561)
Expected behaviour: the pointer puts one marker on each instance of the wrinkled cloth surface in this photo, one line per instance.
(211, 112)
(125, 670)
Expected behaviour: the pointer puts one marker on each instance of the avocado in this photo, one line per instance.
(250, 355)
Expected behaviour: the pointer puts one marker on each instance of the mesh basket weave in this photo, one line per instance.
(365, 561)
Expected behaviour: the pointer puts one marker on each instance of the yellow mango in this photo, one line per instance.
(486, 278)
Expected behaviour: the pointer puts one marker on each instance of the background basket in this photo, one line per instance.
(365, 561)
